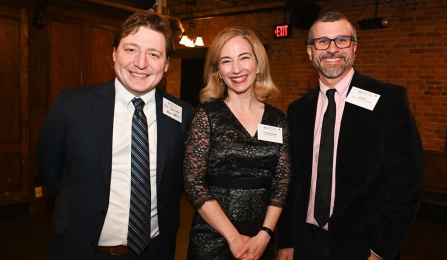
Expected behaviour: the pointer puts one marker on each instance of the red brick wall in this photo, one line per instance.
(410, 52)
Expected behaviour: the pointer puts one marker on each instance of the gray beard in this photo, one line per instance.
(333, 72)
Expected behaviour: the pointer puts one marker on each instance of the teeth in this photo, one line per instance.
(239, 79)
(138, 75)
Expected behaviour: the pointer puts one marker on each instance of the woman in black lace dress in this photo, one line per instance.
(237, 170)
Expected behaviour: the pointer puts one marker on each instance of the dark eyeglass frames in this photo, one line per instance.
(341, 41)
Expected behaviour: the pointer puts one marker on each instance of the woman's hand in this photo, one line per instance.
(237, 244)
(254, 247)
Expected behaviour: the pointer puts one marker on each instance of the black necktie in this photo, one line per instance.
(140, 196)
(325, 163)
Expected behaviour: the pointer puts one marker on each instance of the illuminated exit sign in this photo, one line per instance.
(282, 31)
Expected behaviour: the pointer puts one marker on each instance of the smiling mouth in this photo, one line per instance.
(332, 59)
(138, 75)
(238, 79)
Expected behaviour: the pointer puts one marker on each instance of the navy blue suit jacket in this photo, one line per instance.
(379, 174)
(74, 157)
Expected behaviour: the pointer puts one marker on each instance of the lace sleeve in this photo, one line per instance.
(196, 156)
(281, 179)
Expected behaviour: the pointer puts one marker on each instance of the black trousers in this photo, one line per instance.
(315, 244)
(151, 253)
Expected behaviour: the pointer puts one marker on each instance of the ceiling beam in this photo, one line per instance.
(277, 5)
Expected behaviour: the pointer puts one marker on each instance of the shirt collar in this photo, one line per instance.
(124, 97)
(341, 87)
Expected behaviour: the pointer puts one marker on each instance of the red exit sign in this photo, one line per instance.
(282, 31)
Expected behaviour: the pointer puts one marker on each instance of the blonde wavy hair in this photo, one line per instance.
(215, 88)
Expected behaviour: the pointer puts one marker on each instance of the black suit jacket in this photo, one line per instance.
(74, 157)
(379, 174)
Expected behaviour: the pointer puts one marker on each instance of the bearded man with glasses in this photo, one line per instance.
(357, 158)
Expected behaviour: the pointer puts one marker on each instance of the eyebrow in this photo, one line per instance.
(139, 47)
(242, 54)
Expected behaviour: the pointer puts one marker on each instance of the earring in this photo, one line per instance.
(221, 83)
(220, 80)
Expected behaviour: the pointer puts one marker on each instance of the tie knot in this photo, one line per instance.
(330, 93)
(138, 103)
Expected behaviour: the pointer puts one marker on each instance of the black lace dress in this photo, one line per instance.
(243, 174)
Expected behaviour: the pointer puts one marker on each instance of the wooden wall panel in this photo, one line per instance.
(65, 57)
(97, 56)
(9, 87)
(14, 108)
(10, 177)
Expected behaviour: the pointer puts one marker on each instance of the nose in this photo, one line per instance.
(141, 61)
(332, 47)
(236, 67)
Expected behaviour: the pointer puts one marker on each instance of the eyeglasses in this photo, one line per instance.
(342, 42)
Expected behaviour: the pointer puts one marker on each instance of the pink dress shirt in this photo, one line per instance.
(340, 98)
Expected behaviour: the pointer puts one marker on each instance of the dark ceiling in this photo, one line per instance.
(190, 9)
(185, 8)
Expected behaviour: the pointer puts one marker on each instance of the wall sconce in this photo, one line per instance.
(191, 38)
(374, 23)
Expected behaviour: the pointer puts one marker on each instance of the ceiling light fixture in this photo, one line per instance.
(191, 38)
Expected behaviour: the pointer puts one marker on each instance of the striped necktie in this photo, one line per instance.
(140, 198)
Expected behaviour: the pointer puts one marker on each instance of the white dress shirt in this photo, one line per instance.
(115, 227)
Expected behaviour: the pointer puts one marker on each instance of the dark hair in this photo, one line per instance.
(331, 16)
(153, 21)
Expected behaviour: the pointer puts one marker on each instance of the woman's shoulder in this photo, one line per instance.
(212, 105)
(274, 110)
(274, 116)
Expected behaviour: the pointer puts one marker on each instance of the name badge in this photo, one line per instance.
(172, 110)
(270, 133)
(363, 98)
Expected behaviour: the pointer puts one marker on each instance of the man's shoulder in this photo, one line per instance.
(85, 93)
(306, 98)
(376, 85)
(85, 90)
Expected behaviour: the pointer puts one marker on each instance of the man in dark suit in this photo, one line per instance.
(86, 156)
(376, 159)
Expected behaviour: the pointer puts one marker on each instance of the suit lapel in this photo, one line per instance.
(164, 125)
(302, 120)
(349, 123)
(309, 129)
(103, 106)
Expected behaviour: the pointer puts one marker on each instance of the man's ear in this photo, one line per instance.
(309, 51)
(114, 55)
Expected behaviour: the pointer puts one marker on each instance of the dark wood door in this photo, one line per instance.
(14, 111)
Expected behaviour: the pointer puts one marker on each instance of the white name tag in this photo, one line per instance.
(362, 98)
(270, 133)
(172, 110)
